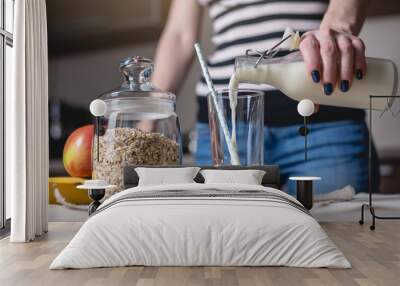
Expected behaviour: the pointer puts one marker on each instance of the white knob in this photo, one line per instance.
(98, 107)
(305, 108)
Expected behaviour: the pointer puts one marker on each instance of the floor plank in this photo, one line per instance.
(375, 257)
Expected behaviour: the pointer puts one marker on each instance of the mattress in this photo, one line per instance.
(201, 225)
(348, 211)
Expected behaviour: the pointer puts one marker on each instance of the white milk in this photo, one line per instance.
(293, 79)
(233, 87)
(290, 75)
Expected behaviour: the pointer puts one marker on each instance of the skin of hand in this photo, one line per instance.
(334, 54)
(175, 51)
(146, 126)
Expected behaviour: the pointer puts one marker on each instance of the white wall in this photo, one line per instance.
(79, 78)
(381, 36)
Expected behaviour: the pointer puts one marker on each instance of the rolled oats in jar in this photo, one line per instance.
(139, 127)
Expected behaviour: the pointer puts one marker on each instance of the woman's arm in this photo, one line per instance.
(346, 15)
(334, 53)
(175, 49)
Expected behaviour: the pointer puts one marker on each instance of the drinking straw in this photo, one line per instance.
(232, 151)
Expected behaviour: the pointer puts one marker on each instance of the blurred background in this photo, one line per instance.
(88, 38)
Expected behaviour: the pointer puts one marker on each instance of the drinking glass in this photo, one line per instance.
(249, 127)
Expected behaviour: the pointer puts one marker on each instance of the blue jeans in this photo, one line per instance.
(337, 152)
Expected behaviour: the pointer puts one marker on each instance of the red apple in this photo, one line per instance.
(77, 154)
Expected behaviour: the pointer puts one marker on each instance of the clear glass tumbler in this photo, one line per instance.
(249, 127)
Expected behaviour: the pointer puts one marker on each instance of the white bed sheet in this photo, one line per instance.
(188, 232)
(348, 211)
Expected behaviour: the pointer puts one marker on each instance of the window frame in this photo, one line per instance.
(6, 39)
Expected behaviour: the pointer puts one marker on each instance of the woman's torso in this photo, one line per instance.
(239, 25)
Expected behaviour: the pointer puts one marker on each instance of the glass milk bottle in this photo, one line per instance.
(289, 74)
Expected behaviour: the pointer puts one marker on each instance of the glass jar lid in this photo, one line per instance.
(137, 72)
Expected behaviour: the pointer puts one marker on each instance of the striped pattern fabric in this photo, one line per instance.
(253, 24)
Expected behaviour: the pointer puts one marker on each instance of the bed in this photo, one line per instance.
(201, 224)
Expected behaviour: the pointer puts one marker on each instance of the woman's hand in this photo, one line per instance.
(333, 58)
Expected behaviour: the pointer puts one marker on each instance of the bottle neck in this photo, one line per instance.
(254, 75)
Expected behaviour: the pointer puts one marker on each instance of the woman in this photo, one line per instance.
(334, 56)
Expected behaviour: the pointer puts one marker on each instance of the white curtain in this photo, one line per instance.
(27, 123)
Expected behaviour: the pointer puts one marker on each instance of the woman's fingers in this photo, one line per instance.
(333, 58)
(359, 58)
(329, 56)
(346, 62)
(309, 48)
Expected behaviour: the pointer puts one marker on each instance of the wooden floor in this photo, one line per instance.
(375, 257)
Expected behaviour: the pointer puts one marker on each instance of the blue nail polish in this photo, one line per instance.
(315, 76)
(359, 74)
(328, 88)
(344, 85)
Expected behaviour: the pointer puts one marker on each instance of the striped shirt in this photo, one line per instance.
(239, 25)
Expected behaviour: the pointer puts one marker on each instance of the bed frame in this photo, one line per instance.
(270, 179)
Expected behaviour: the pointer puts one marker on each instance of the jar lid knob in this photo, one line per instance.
(136, 69)
(134, 60)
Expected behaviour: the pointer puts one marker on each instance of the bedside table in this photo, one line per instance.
(305, 190)
(96, 190)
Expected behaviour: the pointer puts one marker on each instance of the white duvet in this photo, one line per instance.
(188, 231)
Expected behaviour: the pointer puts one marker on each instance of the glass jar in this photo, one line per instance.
(139, 127)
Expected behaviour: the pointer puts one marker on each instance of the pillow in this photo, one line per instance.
(166, 176)
(248, 177)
